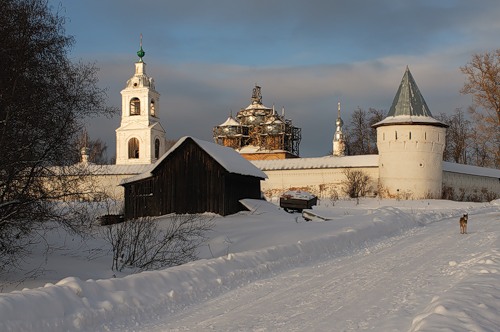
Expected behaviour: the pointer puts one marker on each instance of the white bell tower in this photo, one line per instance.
(338, 137)
(140, 139)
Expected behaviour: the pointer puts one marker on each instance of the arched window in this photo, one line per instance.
(152, 106)
(135, 106)
(157, 148)
(133, 148)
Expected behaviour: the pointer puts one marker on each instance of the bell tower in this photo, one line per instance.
(338, 138)
(140, 139)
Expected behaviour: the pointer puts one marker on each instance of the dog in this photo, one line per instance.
(463, 223)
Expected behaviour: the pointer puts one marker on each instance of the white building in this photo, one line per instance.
(338, 138)
(140, 139)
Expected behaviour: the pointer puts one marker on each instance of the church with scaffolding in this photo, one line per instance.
(258, 132)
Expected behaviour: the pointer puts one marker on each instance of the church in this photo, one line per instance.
(409, 164)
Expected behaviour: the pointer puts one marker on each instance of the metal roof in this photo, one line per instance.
(409, 106)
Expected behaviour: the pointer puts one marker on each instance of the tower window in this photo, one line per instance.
(157, 148)
(396, 134)
(410, 135)
(133, 148)
(135, 106)
(152, 107)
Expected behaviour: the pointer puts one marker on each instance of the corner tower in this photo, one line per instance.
(140, 139)
(410, 144)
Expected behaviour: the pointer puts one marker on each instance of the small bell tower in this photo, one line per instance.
(140, 139)
(338, 137)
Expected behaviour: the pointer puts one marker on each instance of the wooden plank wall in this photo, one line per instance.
(189, 181)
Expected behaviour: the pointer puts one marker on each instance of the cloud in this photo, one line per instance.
(206, 56)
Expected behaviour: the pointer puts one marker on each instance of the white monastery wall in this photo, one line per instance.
(322, 182)
(476, 183)
(110, 185)
(466, 183)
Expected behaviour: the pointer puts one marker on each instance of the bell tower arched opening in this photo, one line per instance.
(152, 108)
(135, 106)
(133, 148)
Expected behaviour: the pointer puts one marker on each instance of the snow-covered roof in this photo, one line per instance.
(360, 161)
(257, 149)
(117, 169)
(409, 106)
(319, 162)
(227, 157)
(472, 170)
(101, 169)
(409, 119)
(257, 106)
(274, 121)
(230, 122)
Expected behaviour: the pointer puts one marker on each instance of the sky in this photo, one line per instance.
(380, 265)
(206, 56)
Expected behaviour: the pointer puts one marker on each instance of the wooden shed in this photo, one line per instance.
(194, 176)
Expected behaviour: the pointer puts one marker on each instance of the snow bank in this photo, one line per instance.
(471, 305)
(73, 304)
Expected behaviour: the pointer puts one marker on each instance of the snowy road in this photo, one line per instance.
(382, 287)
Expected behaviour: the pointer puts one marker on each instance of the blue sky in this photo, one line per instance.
(206, 56)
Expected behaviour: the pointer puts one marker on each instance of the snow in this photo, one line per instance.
(230, 122)
(370, 160)
(470, 169)
(383, 265)
(409, 119)
(298, 194)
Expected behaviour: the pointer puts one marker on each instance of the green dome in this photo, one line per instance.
(141, 54)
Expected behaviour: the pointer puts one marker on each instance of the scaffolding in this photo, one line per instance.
(259, 126)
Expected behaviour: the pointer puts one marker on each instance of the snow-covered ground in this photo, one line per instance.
(380, 265)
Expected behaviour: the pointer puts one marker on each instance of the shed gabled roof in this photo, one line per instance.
(227, 157)
(409, 106)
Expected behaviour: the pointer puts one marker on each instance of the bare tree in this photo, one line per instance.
(480, 143)
(458, 137)
(356, 183)
(374, 117)
(483, 83)
(44, 99)
(361, 137)
(143, 245)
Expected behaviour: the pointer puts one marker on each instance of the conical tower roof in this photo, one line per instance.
(409, 106)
